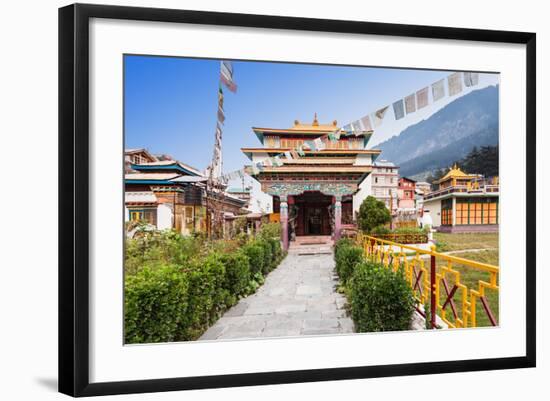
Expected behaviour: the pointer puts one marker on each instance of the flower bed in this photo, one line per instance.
(403, 235)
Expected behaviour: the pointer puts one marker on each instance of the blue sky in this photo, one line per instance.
(171, 103)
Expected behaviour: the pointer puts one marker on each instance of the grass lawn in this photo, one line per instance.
(456, 242)
(470, 277)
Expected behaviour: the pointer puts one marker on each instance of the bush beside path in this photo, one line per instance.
(176, 287)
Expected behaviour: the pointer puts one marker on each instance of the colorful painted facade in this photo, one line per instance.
(406, 194)
(313, 194)
(172, 195)
(464, 203)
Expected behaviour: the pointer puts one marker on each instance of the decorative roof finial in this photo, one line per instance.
(315, 122)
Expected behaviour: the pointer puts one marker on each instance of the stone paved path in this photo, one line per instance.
(297, 298)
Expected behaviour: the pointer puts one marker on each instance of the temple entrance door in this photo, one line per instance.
(313, 214)
(314, 221)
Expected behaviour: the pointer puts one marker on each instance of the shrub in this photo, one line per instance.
(411, 230)
(237, 272)
(276, 250)
(372, 213)
(255, 253)
(270, 230)
(268, 256)
(155, 303)
(240, 226)
(380, 299)
(159, 248)
(380, 230)
(177, 286)
(206, 296)
(342, 243)
(428, 316)
(348, 257)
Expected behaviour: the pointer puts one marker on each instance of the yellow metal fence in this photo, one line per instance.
(463, 292)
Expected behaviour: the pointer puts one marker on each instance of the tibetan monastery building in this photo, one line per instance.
(464, 203)
(315, 194)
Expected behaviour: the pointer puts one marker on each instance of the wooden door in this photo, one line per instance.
(314, 221)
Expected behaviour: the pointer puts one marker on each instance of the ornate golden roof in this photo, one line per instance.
(455, 172)
(301, 128)
(315, 126)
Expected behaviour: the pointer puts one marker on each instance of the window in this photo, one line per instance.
(145, 215)
(473, 211)
(272, 142)
(355, 143)
(136, 215)
(189, 218)
(376, 180)
(447, 212)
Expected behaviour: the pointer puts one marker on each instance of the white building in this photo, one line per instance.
(384, 183)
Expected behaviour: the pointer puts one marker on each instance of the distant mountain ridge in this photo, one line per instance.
(447, 135)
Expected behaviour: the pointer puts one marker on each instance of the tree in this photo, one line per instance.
(372, 213)
(435, 175)
(483, 160)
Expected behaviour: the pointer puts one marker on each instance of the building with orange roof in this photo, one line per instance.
(315, 194)
(464, 202)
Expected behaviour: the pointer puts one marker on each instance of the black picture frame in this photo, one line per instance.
(74, 198)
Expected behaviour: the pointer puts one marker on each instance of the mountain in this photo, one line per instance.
(445, 156)
(447, 135)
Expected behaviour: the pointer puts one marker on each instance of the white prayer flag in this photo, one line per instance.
(356, 127)
(319, 144)
(422, 98)
(471, 78)
(410, 104)
(366, 123)
(455, 83)
(438, 90)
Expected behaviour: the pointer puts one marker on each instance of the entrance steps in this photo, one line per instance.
(311, 245)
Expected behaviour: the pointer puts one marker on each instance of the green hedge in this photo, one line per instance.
(268, 256)
(255, 253)
(206, 296)
(380, 299)
(276, 249)
(347, 256)
(342, 243)
(237, 272)
(155, 304)
(176, 287)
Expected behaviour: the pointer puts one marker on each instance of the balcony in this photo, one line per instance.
(475, 188)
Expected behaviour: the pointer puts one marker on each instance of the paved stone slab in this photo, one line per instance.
(237, 310)
(297, 298)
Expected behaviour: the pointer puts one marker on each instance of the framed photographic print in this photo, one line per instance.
(250, 199)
